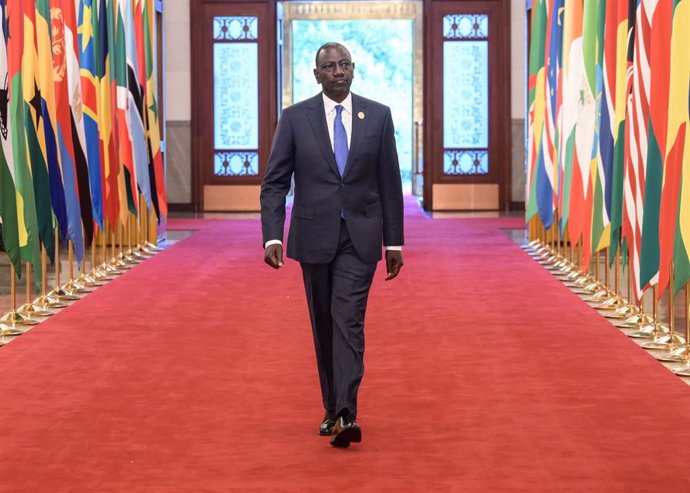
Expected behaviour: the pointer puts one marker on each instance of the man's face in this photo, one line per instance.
(335, 72)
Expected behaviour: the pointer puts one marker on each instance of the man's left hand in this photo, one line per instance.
(394, 263)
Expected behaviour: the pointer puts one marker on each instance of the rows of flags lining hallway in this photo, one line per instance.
(79, 124)
(609, 136)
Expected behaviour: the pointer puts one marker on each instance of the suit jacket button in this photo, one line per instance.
(342, 185)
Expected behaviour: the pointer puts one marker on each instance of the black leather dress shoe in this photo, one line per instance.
(345, 432)
(327, 424)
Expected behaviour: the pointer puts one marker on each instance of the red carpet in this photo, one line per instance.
(195, 373)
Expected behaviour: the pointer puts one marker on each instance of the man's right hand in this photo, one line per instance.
(273, 255)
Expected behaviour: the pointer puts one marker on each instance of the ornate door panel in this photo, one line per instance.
(233, 102)
(467, 105)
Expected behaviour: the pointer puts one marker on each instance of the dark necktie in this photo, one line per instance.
(339, 140)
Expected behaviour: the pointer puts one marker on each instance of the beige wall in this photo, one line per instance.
(178, 98)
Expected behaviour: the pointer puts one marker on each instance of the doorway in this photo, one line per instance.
(385, 40)
(442, 66)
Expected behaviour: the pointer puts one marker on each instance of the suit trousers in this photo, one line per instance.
(337, 294)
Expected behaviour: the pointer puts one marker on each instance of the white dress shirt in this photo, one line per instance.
(346, 115)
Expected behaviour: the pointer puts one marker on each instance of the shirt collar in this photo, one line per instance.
(329, 105)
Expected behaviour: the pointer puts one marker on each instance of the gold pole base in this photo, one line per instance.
(75, 287)
(653, 330)
(670, 341)
(682, 372)
(531, 244)
(622, 312)
(5, 339)
(9, 331)
(87, 281)
(15, 318)
(127, 259)
(150, 246)
(583, 281)
(598, 295)
(48, 303)
(680, 355)
(120, 264)
(611, 304)
(145, 250)
(30, 310)
(100, 273)
(62, 295)
(549, 260)
(636, 321)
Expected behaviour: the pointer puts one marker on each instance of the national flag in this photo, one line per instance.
(661, 15)
(106, 114)
(606, 78)
(88, 50)
(124, 134)
(585, 144)
(35, 137)
(63, 119)
(636, 148)
(678, 116)
(624, 57)
(14, 146)
(76, 103)
(573, 71)
(135, 103)
(153, 135)
(681, 259)
(547, 173)
(8, 191)
(47, 134)
(536, 96)
(536, 102)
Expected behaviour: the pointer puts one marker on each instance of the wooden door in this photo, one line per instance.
(233, 101)
(467, 105)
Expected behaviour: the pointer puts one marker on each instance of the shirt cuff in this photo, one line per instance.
(272, 242)
(394, 248)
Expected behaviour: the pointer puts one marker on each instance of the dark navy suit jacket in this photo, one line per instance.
(369, 193)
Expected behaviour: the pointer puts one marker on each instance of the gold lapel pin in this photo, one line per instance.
(360, 115)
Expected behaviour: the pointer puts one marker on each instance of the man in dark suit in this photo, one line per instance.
(340, 147)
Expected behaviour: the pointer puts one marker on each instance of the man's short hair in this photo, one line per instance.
(328, 46)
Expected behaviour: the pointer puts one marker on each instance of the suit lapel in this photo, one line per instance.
(317, 120)
(359, 126)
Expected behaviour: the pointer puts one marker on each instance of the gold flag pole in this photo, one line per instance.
(638, 319)
(13, 321)
(554, 261)
(671, 340)
(115, 261)
(684, 352)
(123, 261)
(133, 236)
(576, 278)
(622, 308)
(87, 280)
(109, 266)
(145, 246)
(142, 248)
(29, 308)
(127, 254)
(541, 247)
(98, 272)
(150, 247)
(58, 292)
(72, 287)
(45, 301)
(599, 291)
